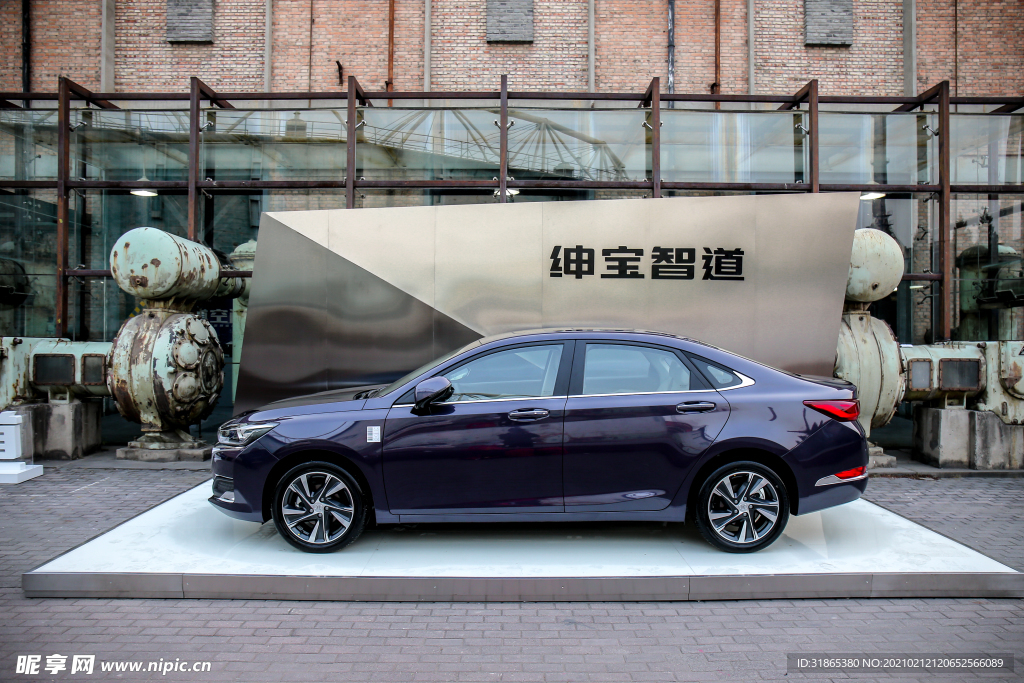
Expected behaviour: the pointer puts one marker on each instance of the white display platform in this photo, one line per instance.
(186, 548)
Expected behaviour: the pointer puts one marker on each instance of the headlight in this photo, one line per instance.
(240, 434)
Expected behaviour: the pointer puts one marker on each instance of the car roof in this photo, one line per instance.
(570, 331)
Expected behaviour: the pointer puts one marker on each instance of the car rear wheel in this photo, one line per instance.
(319, 507)
(742, 507)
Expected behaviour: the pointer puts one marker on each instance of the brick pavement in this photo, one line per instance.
(322, 641)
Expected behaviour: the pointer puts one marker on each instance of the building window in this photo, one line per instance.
(509, 21)
(190, 21)
(828, 22)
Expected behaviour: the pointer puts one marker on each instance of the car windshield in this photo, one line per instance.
(426, 368)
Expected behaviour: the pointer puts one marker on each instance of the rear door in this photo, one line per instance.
(637, 418)
(495, 446)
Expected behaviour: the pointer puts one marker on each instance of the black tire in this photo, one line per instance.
(743, 522)
(312, 503)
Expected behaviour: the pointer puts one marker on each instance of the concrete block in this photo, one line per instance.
(994, 445)
(942, 436)
(61, 431)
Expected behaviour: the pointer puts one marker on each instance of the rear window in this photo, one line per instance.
(719, 376)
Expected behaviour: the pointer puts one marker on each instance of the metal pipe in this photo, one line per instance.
(656, 136)
(671, 48)
(426, 45)
(389, 84)
(268, 44)
(909, 47)
(26, 47)
(751, 87)
(591, 50)
(717, 88)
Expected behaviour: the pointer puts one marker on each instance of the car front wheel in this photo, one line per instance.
(319, 507)
(742, 507)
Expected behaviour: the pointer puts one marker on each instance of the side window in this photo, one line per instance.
(628, 369)
(720, 377)
(524, 372)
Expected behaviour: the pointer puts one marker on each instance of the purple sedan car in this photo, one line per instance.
(552, 425)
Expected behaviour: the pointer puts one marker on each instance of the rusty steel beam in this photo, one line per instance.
(193, 159)
(812, 115)
(350, 145)
(60, 318)
(503, 140)
(656, 137)
(1009, 107)
(796, 100)
(922, 99)
(916, 277)
(945, 227)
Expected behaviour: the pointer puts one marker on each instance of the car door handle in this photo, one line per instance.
(524, 414)
(695, 407)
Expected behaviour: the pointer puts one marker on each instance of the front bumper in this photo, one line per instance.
(225, 482)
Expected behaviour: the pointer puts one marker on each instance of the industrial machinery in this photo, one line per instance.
(970, 411)
(165, 367)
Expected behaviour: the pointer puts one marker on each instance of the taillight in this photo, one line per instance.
(852, 474)
(844, 410)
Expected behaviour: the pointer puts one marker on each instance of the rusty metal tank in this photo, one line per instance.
(157, 266)
(165, 370)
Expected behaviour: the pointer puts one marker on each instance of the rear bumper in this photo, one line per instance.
(836, 447)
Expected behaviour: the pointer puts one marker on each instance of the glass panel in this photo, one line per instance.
(28, 144)
(129, 145)
(989, 293)
(28, 262)
(517, 373)
(578, 144)
(302, 144)
(912, 220)
(735, 147)
(987, 149)
(623, 369)
(895, 149)
(428, 144)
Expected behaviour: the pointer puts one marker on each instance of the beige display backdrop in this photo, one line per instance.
(351, 297)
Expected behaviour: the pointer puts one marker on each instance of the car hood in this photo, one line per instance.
(328, 399)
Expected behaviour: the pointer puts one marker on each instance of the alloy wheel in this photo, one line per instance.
(317, 507)
(743, 507)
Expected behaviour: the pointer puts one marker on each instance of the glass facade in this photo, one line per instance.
(734, 147)
(258, 159)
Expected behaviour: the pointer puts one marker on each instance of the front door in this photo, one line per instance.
(638, 417)
(494, 446)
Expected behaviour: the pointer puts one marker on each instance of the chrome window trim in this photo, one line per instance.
(833, 479)
(486, 400)
(744, 382)
(647, 393)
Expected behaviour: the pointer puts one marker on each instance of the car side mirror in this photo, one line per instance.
(433, 390)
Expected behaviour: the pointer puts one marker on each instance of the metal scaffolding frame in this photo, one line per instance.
(652, 98)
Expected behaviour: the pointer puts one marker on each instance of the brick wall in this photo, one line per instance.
(555, 60)
(631, 46)
(10, 44)
(145, 61)
(987, 52)
(65, 42)
(873, 65)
